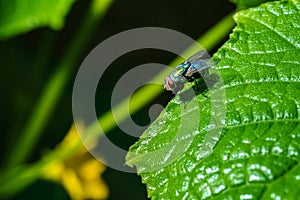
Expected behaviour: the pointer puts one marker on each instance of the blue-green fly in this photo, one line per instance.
(192, 69)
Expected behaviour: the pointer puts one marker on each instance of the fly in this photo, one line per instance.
(191, 70)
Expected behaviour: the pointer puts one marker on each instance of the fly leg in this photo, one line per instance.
(198, 89)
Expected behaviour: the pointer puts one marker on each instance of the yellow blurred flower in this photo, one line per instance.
(80, 174)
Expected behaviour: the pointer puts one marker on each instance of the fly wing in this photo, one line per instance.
(201, 55)
(211, 79)
(198, 66)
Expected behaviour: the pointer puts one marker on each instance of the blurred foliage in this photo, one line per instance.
(54, 88)
(15, 173)
(80, 173)
(21, 16)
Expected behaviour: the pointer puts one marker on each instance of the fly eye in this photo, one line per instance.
(171, 83)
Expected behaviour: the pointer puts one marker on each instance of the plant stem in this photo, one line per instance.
(54, 88)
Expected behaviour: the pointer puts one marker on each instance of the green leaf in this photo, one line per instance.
(20, 16)
(256, 153)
